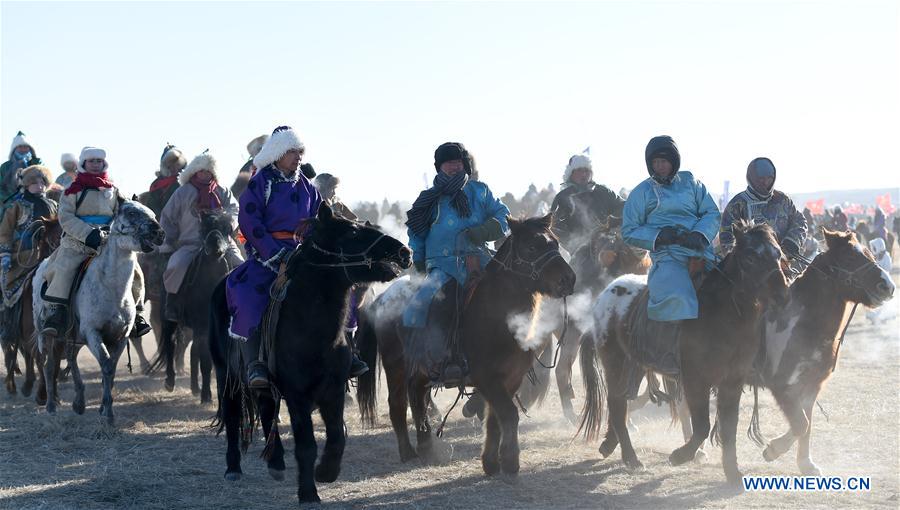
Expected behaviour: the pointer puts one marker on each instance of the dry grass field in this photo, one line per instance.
(162, 454)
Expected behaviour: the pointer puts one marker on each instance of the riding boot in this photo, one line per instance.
(474, 406)
(358, 367)
(257, 371)
(56, 320)
(171, 308)
(454, 374)
(140, 326)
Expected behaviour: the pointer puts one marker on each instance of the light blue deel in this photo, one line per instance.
(445, 246)
(686, 204)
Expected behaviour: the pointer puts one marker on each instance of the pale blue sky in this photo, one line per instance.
(373, 88)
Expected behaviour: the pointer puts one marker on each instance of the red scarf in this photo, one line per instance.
(207, 198)
(87, 180)
(163, 182)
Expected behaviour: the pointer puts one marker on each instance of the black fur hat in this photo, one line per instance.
(452, 150)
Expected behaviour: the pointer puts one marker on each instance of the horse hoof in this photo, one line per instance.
(309, 498)
(78, 407)
(809, 468)
(40, 401)
(634, 465)
(327, 473)
(509, 478)
(700, 456)
(607, 448)
(735, 478)
(769, 454)
(276, 474)
(205, 399)
(233, 476)
(408, 456)
(169, 385)
(681, 455)
(26, 390)
(195, 391)
(490, 466)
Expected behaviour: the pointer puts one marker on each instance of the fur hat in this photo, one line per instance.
(575, 162)
(204, 161)
(256, 145)
(325, 182)
(282, 140)
(662, 147)
(67, 157)
(172, 161)
(877, 245)
(18, 140)
(449, 151)
(36, 173)
(91, 153)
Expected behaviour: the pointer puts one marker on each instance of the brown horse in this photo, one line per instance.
(527, 265)
(803, 338)
(19, 333)
(716, 350)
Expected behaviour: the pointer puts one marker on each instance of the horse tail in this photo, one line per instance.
(594, 391)
(754, 431)
(218, 320)
(367, 343)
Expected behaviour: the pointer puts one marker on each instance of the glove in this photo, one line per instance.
(5, 262)
(667, 235)
(94, 239)
(790, 248)
(487, 231)
(419, 265)
(694, 241)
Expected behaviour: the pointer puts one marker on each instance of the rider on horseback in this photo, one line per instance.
(672, 215)
(762, 203)
(21, 155)
(199, 191)
(17, 255)
(449, 227)
(582, 204)
(171, 163)
(85, 212)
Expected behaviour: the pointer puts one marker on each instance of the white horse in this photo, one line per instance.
(104, 305)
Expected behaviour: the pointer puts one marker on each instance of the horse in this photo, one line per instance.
(716, 350)
(45, 233)
(527, 266)
(803, 339)
(206, 270)
(103, 306)
(309, 359)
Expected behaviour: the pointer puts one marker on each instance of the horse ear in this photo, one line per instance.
(546, 220)
(834, 238)
(135, 198)
(325, 213)
(513, 223)
(368, 223)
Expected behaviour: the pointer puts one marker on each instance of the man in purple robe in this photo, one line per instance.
(277, 199)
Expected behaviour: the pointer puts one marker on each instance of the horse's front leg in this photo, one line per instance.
(331, 409)
(305, 449)
(490, 452)
(728, 402)
(268, 415)
(501, 404)
(195, 367)
(51, 371)
(77, 381)
(169, 329)
(804, 459)
(696, 394)
(205, 366)
(9, 357)
(791, 405)
(29, 372)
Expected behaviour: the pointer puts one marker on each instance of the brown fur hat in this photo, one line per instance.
(36, 173)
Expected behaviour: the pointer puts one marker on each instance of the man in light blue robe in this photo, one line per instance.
(450, 225)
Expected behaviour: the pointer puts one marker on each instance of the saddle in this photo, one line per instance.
(651, 344)
(72, 319)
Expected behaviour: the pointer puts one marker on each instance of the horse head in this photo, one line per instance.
(852, 267)
(216, 226)
(135, 227)
(362, 252)
(758, 261)
(532, 252)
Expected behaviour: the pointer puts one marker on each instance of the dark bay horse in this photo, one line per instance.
(19, 330)
(716, 350)
(309, 358)
(803, 338)
(205, 272)
(527, 266)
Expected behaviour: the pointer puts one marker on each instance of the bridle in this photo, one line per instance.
(535, 267)
(848, 278)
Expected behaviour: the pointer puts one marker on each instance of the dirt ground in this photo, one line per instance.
(162, 454)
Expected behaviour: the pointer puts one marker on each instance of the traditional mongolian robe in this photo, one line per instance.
(777, 210)
(271, 210)
(444, 247)
(685, 204)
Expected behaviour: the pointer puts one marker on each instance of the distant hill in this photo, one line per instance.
(853, 196)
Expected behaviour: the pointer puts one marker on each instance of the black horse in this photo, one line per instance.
(206, 270)
(309, 358)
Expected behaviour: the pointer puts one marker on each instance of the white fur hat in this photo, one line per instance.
(204, 161)
(575, 162)
(91, 153)
(68, 157)
(256, 145)
(282, 140)
(18, 140)
(877, 245)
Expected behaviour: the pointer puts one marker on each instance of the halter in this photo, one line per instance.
(536, 266)
(849, 278)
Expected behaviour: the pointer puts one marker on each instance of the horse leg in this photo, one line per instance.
(618, 419)
(195, 369)
(51, 362)
(696, 394)
(804, 460)
(229, 418)
(142, 358)
(168, 346)
(40, 397)
(490, 452)
(205, 367)
(332, 412)
(567, 355)
(728, 402)
(398, 403)
(9, 357)
(77, 381)
(29, 372)
(268, 415)
(304, 450)
(502, 406)
(797, 418)
(418, 400)
(181, 346)
(684, 417)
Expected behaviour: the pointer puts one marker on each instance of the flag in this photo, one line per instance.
(884, 202)
(587, 150)
(816, 207)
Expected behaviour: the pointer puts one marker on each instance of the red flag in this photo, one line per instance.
(816, 207)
